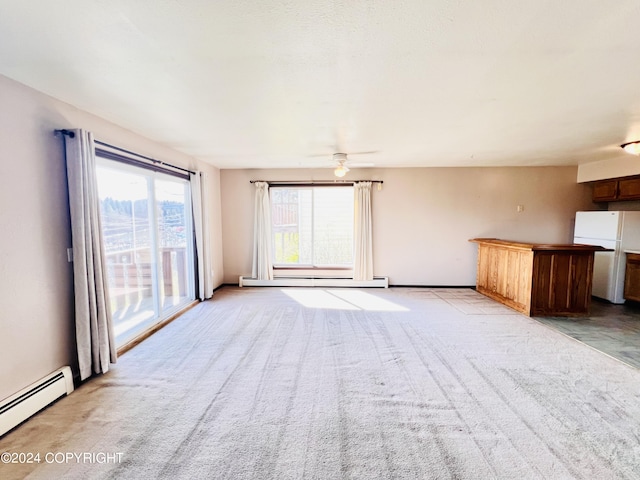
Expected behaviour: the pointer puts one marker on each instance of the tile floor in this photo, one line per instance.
(612, 329)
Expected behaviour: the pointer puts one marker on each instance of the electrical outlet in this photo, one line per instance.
(520, 208)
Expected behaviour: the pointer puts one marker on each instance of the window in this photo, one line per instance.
(147, 234)
(312, 226)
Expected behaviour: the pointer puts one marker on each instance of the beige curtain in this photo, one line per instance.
(262, 268)
(363, 246)
(199, 200)
(94, 329)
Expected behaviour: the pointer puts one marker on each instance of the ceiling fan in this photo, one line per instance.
(340, 161)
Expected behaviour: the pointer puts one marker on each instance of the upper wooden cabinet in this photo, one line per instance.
(605, 191)
(616, 189)
(628, 188)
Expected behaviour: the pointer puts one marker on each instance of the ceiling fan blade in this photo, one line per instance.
(331, 154)
(360, 165)
(363, 153)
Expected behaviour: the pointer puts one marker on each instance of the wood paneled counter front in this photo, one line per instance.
(536, 279)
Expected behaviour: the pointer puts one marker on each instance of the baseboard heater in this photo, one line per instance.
(30, 400)
(380, 282)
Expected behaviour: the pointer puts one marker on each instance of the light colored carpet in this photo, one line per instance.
(265, 383)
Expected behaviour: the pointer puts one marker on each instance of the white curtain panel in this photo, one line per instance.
(94, 330)
(262, 267)
(199, 201)
(363, 245)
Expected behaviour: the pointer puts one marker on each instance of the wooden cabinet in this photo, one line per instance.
(616, 189)
(536, 279)
(605, 191)
(632, 277)
(628, 189)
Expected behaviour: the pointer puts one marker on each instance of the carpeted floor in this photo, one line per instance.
(265, 383)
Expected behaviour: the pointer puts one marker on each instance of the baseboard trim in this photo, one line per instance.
(377, 282)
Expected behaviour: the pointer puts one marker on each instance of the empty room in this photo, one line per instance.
(319, 240)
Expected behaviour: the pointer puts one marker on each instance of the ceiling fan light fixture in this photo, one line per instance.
(632, 147)
(340, 171)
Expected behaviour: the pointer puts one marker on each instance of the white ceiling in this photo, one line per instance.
(253, 84)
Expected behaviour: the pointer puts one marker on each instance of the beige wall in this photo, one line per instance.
(36, 321)
(423, 217)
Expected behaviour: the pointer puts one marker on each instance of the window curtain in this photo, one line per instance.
(262, 267)
(363, 248)
(199, 201)
(94, 329)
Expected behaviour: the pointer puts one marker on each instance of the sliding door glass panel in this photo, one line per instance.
(174, 239)
(148, 245)
(124, 208)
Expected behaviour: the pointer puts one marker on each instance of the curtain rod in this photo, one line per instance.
(153, 160)
(320, 182)
(64, 132)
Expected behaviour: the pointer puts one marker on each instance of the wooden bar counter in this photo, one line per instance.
(536, 279)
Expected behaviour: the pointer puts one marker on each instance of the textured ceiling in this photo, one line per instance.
(252, 84)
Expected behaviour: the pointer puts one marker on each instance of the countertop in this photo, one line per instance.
(540, 246)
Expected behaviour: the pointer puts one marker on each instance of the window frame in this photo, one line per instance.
(308, 270)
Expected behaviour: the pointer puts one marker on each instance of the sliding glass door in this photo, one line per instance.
(147, 231)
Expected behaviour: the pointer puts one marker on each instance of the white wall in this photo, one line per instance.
(424, 217)
(622, 166)
(36, 285)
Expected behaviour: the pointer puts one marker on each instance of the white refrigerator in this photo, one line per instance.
(618, 231)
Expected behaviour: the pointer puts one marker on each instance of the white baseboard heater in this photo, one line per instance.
(380, 282)
(30, 400)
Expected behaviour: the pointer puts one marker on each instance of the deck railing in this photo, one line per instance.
(130, 274)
